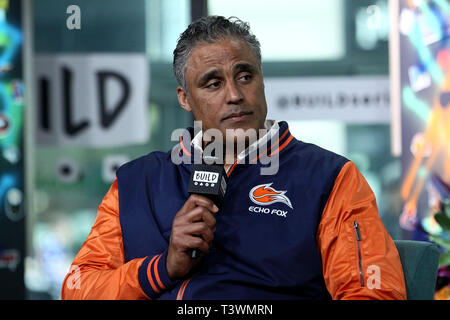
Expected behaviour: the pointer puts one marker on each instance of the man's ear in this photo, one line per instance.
(182, 99)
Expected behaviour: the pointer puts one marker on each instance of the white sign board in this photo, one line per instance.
(92, 100)
(355, 99)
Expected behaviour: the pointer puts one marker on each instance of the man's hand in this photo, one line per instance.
(193, 228)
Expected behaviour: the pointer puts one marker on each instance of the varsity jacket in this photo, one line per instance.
(311, 231)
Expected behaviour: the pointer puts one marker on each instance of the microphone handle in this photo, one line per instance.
(194, 253)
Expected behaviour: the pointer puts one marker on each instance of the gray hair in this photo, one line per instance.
(210, 29)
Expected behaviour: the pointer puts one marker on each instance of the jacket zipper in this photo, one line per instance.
(358, 239)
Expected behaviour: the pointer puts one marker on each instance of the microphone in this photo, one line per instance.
(209, 180)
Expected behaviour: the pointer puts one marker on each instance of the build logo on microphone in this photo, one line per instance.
(205, 177)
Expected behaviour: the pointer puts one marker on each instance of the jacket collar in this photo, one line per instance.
(277, 138)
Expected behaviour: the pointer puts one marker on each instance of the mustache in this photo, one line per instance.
(236, 112)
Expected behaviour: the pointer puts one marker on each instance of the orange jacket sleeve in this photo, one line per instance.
(360, 259)
(99, 270)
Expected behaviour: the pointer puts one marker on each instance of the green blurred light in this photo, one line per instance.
(422, 172)
(443, 5)
(419, 107)
(430, 19)
(425, 55)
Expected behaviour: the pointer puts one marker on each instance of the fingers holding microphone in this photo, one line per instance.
(193, 228)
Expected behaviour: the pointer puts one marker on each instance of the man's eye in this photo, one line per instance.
(213, 85)
(245, 77)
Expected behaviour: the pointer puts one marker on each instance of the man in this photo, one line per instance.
(309, 231)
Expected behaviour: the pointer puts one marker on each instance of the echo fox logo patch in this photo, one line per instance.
(265, 195)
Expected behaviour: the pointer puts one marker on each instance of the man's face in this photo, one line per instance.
(225, 86)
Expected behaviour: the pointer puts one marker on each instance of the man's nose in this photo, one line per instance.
(234, 95)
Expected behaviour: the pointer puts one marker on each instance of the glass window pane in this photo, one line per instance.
(330, 135)
(70, 182)
(292, 29)
(165, 21)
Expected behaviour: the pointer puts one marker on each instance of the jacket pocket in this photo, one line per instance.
(358, 247)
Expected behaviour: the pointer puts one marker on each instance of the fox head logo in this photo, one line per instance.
(264, 195)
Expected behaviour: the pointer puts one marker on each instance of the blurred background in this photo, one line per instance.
(87, 85)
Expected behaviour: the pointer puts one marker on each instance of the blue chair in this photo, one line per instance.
(420, 261)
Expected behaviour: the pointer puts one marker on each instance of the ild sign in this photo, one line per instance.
(91, 99)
